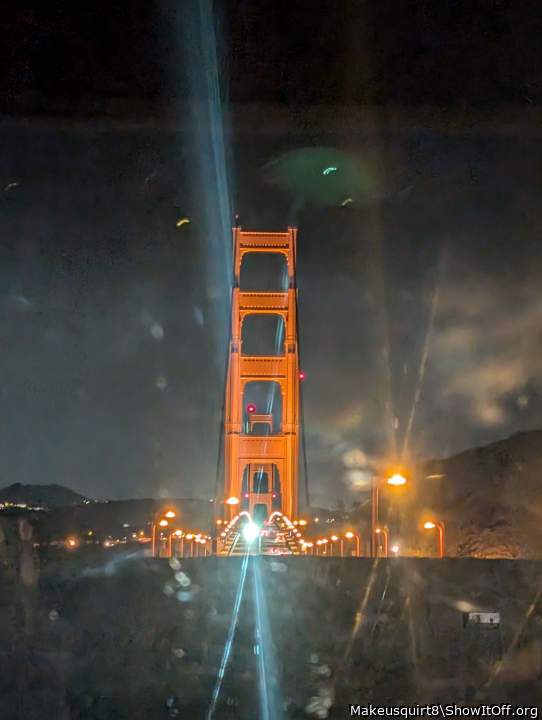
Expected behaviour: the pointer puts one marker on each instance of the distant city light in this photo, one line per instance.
(251, 408)
(302, 375)
(232, 501)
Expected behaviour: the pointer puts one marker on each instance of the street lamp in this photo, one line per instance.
(439, 525)
(190, 538)
(334, 539)
(324, 543)
(163, 523)
(320, 543)
(395, 480)
(349, 535)
(178, 534)
(385, 535)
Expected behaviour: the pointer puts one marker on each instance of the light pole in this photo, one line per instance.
(324, 545)
(439, 525)
(349, 536)
(179, 535)
(163, 523)
(334, 539)
(384, 532)
(190, 539)
(396, 479)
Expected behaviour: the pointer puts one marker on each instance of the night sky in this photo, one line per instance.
(423, 292)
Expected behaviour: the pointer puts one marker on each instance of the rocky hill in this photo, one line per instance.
(490, 497)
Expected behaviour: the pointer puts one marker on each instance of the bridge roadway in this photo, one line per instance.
(277, 536)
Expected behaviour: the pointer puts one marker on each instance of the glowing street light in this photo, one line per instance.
(439, 525)
(322, 543)
(177, 534)
(349, 536)
(395, 549)
(163, 523)
(395, 480)
(232, 500)
(334, 539)
(190, 537)
(384, 532)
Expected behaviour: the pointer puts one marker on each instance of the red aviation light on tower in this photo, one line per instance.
(251, 408)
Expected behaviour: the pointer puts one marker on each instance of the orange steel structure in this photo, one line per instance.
(261, 470)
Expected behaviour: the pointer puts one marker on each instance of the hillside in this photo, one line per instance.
(121, 518)
(44, 496)
(490, 497)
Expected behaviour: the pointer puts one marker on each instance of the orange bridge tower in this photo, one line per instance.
(261, 444)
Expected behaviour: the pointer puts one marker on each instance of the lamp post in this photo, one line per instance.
(321, 544)
(396, 479)
(384, 532)
(349, 536)
(334, 539)
(439, 525)
(324, 545)
(163, 523)
(178, 534)
(190, 537)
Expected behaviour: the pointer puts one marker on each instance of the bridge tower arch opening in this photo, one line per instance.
(261, 444)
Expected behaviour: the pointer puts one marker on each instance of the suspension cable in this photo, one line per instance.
(301, 404)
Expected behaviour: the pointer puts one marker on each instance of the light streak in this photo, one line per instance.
(229, 640)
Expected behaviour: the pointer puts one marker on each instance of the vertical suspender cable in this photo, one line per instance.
(301, 405)
(302, 418)
(221, 430)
